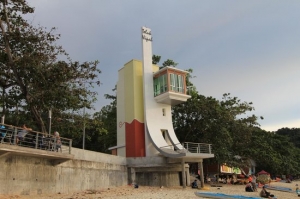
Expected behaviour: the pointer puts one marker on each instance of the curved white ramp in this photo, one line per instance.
(158, 117)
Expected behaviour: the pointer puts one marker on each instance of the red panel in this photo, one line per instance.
(114, 152)
(135, 139)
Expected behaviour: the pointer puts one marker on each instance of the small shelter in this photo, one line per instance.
(263, 172)
(263, 177)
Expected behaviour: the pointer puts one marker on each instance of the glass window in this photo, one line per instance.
(180, 84)
(176, 83)
(155, 87)
(160, 85)
(172, 82)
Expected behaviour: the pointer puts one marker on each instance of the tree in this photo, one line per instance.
(169, 62)
(293, 134)
(108, 117)
(273, 152)
(155, 59)
(6, 72)
(39, 80)
(207, 120)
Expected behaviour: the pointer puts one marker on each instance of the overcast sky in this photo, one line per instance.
(247, 48)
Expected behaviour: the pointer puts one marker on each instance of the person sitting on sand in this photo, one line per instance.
(249, 187)
(224, 181)
(208, 179)
(194, 184)
(228, 180)
(265, 194)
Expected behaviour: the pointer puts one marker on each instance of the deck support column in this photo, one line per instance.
(188, 178)
(200, 166)
(131, 175)
(183, 173)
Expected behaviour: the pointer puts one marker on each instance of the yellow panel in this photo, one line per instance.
(138, 97)
(155, 68)
(128, 87)
(133, 80)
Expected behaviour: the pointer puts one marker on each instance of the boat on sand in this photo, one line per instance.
(277, 188)
(222, 196)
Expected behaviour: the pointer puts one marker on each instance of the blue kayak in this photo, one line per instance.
(222, 196)
(276, 188)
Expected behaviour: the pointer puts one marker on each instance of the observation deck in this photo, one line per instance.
(170, 86)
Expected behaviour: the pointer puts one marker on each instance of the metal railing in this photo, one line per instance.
(189, 147)
(198, 147)
(32, 139)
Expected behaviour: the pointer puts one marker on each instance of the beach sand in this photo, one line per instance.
(128, 192)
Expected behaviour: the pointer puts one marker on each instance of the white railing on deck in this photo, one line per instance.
(197, 147)
(189, 147)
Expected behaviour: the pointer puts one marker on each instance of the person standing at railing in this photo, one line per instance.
(57, 141)
(2, 132)
(22, 133)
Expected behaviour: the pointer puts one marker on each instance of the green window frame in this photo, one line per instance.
(160, 84)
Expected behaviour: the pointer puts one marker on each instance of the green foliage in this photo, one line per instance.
(37, 75)
(155, 59)
(293, 134)
(205, 119)
(274, 153)
(108, 117)
(169, 62)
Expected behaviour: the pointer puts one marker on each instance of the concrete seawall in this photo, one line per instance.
(27, 171)
(30, 175)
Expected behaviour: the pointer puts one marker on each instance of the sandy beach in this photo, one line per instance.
(128, 192)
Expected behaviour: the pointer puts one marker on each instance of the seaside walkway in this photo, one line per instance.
(34, 144)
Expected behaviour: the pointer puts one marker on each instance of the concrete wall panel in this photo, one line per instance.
(166, 179)
(33, 175)
(25, 175)
(80, 154)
